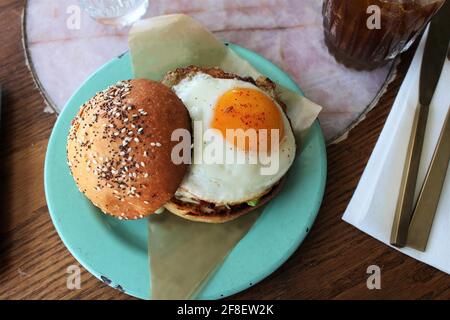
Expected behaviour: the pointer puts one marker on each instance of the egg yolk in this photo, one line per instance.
(246, 108)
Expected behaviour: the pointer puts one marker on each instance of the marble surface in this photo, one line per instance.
(288, 32)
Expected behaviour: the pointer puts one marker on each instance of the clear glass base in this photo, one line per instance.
(116, 12)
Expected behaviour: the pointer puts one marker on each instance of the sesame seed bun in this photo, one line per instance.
(119, 148)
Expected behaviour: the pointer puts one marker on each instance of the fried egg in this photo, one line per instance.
(216, 105)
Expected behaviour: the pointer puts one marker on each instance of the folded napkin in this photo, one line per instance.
(373, 204)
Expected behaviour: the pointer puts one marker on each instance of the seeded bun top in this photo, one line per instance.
(119, 148)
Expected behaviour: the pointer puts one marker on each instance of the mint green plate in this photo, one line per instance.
(116, 251)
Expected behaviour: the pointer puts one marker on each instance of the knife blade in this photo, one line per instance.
(428, 201)
(433, 59)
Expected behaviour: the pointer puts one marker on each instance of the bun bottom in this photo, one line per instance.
(188, 210)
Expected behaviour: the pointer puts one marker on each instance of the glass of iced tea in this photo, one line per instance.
(366, 34)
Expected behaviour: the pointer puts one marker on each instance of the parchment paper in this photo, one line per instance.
(184, 254)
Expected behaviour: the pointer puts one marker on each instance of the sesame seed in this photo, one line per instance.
(142, 164)
(158, 144)
(146, 202)
(136, 140)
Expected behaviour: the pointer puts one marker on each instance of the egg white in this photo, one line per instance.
(227, 184)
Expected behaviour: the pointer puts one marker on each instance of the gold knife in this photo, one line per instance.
(428, 201)
(433, 59)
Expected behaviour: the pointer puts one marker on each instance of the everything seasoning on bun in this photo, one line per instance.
(119, 148)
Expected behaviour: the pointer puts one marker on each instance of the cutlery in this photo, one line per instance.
(428, 201)
(433, 59)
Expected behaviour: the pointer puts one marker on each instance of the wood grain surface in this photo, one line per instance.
(330, 264)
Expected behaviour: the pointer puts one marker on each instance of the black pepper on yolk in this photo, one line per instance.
(246, 108)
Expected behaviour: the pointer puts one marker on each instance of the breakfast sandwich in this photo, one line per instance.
(120, 147)
(221, 101)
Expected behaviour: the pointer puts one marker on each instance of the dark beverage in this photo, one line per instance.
(356, 40)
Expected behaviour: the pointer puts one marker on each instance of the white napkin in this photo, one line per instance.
(373, 204)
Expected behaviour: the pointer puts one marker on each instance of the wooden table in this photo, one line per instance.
(331, 263)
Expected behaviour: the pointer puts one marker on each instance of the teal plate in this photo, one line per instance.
(116, 251)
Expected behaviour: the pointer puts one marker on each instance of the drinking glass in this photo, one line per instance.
(366, 34)
(115, 12)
